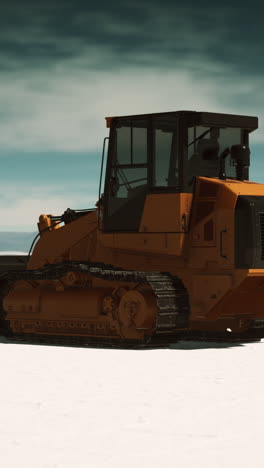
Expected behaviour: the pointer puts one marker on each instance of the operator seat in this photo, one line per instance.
(205, 161)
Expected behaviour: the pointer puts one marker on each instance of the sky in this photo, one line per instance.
(66, 66)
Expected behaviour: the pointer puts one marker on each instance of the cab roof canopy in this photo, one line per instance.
(198, 118)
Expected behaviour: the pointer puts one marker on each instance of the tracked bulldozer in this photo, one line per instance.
(173, 250)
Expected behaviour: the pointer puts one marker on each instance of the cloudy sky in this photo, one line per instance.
(66, 66)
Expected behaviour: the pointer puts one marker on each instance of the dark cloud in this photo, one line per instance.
(66, 65)
(166, 33)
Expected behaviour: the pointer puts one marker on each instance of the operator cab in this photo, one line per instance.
(164, 153)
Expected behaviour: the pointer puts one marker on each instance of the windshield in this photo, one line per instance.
(205, 145)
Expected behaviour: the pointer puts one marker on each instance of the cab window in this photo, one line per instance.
(205, 145)
(131, 144)
(165, 168)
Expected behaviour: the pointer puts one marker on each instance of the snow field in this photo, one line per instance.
(197, 405)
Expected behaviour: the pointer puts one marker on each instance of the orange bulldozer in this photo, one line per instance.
(174, 249)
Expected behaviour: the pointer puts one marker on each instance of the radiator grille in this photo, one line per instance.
(249, 229)
(261, 222)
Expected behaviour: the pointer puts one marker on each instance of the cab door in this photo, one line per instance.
(127, 175)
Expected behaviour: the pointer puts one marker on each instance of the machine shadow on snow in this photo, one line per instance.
(180, 345)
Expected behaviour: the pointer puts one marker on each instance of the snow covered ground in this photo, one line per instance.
(195, 405)
(13, 252)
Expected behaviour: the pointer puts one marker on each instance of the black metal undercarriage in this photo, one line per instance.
(173, 309)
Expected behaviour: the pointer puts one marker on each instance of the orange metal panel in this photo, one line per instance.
(108, 121)
(163, 212)
(159, 243)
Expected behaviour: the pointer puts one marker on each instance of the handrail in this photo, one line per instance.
(221, 242)
(99, 214)
(102, 165)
